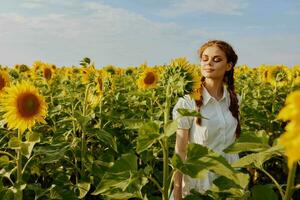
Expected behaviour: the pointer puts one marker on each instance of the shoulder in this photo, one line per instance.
(185, 102)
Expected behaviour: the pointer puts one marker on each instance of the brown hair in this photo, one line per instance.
(228, 79)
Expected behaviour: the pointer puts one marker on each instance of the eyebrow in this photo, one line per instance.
(219, 56)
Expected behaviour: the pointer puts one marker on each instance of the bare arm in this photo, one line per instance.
(182, 138)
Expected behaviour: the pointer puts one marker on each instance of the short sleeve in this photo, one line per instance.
(183, 122)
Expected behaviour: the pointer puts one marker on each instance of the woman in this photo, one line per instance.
(219, 104)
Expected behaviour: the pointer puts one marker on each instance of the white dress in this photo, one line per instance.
(216, 132)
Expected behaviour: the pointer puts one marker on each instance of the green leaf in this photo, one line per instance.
(133, 123)
(171, 128)
(4, 160)
(119, 180)
(148, 135)
(83, 187)
(238, 147)
(26, 148)
(5, 173)
(52, 153)
(82, 120)
(126, 162)
(122, 185)
(14, 143)
(201, 159)
(259, 158)
(187, 112)
(105, 137)
(232, 189)
(263, 192)
(33, 137)
(17, 188)
(254, 137)
(8, 195)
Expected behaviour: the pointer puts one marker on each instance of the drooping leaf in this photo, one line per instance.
(263, 192)
(171, 128)
(126, 162)
(238, 147)
(187, 112)
(148, 135)
(14, 143)
(259, 158)
(84, 188)
(200, 159)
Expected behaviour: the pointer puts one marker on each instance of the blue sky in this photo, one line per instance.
(132, 32)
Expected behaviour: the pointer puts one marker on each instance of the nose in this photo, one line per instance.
(208, 62)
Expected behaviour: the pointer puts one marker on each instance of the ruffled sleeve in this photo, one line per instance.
(187, 103)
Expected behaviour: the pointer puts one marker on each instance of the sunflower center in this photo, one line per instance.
(2, 82)
(47, 73)
(28, 105)
(150, 78)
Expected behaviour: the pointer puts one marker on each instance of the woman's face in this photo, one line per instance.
(214, 63)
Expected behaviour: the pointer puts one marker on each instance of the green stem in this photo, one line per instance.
(28, 161)
(83, 142)
(155, 183)
(74, 136)
(19, 169)
(290, 182)
(100, 112)
(166, 182)
(8, 154)
(275, 182)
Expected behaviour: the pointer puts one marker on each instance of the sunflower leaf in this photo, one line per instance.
(14, 143)
(187, 112)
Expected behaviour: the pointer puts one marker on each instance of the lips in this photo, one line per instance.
(208, 69)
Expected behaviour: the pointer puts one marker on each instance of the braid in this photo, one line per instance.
(200, 101)
(234, 106)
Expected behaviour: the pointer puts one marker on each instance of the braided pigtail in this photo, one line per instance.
(234, 105)
(200, 101)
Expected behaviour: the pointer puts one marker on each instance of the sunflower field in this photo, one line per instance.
(82, 132)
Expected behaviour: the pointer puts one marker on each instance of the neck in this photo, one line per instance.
(214, 88)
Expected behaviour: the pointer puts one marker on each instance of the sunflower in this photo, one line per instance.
(120, 71)
(110, 69)
(183, 62)
(4, 79)
(130, 71)
(296, 74)
(37, 65)
(148, 79)
(88, 75)
(279, 75)
(196, 84)
(291, 138)
(241, 71)
(48, 72)
(23, 106)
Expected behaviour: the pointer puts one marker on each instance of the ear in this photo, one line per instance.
(228, 66)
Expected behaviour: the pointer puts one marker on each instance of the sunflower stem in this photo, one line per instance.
(165, 147)
(83, 142)
(74, 136)
(100, 112)
(19, 193)
(290, 182)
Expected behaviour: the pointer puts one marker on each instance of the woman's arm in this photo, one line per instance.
(182, 138)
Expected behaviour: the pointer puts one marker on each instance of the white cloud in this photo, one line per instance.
(108, 35)
(33, 4)
(223, 7)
